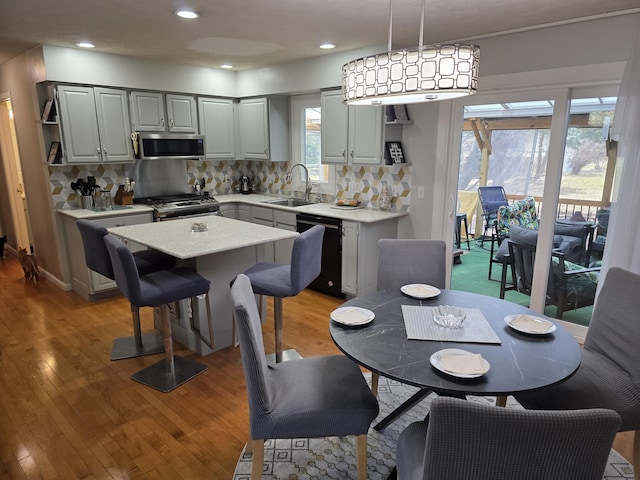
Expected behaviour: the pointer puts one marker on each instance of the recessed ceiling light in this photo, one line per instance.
(187, 14)
(327, 46)
(226, 65)
(85, 44)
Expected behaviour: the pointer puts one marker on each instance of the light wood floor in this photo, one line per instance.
(68, 412)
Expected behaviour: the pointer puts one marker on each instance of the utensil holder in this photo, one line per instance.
(87, 201)
(122, 197)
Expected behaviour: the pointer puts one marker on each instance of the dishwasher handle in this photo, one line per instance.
(326, 225)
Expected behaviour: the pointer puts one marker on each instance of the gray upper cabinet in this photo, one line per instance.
(350, 134)
(264, 128)
(95, 124)
(217, 124)
(149, 114)
(147, 109)
(181, 113)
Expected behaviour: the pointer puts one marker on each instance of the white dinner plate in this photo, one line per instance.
(420, 290)
(352, 316)
(512, 321)
(435, 361)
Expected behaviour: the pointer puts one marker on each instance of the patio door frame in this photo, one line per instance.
(555, 85)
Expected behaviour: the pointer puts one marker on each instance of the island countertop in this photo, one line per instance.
(223, 234)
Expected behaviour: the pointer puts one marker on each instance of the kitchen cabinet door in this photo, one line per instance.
(350, 232)
(264, 128)
(254, 128)
(350, 134)
(113, 125)
(217, 124)
(80, 137)
(365, 135)
(181, 113)
(147, 109)
(335, 123)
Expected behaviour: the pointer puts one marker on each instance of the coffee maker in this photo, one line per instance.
(245, 185)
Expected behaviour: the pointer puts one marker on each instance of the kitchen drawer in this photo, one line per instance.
(262, 215)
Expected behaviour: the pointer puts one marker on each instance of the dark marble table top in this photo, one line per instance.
(522, 362)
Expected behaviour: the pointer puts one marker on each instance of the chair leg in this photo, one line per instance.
(258, 459)
(501, 401)
(636, 455)
(168, 340)
(375, 376)
(277, 316)
(249, 448)
(138, 345)
(194, 311)
(361, 456)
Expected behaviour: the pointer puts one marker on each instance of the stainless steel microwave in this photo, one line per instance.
(153, 146)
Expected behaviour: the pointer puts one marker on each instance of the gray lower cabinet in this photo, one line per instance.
(360, 254)
(87, 283)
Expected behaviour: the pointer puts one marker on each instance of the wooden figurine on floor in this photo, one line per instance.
(29, 265)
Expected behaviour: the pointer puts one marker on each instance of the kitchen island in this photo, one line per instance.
(224, 249)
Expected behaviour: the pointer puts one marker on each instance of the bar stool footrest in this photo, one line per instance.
(156, 375)
(126, 347)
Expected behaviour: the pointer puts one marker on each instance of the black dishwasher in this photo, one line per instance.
(330, 279)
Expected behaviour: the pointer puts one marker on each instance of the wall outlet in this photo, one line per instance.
(420, 192)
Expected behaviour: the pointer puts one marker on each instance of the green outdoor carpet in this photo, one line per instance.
(471, 275)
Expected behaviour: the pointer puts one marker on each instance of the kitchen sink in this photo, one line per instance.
(288, 202)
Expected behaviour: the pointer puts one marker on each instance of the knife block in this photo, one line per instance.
(122, 197)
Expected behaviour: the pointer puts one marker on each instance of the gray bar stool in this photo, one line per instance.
(97, 259)
(279, 281)
(159, 289)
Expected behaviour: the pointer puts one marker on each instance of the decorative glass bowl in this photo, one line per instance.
(448, 316)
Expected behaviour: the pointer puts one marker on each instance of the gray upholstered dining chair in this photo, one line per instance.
(463, 439)
(405, 261)
(609, 373)
(301, 398)
(159, 289)
(282, 280)
(97, 259)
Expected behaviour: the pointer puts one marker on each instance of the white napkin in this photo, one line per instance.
(350, 317)
(462, 363)
(420, 290)
(531, 324)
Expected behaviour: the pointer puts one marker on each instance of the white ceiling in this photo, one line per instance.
(259, 33)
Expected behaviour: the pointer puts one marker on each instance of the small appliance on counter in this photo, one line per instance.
(245, 185)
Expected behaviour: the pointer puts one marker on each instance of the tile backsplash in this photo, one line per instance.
(361, 182)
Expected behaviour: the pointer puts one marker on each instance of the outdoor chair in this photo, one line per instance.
(491, 198)
(301, 398)
(462, 439)
(609, 373)
(569, 285)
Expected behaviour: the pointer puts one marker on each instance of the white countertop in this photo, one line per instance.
(84, 213)
(364, 215)
(176, 238)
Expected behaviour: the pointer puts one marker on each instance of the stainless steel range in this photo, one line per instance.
(180, 205)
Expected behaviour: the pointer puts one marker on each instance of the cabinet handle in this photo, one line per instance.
(171, 123)
(98, 152)
(104, 150)
(351, 153)
(266, 152)
(162, 121)
(344, 153)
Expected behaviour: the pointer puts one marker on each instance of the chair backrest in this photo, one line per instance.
(96, 255)
(491, 198)
(404, 261)
(468, 440)
(520, 212)
(615, 328)
(249, 328)
(522, 259)
(306, 258)
(124, 269)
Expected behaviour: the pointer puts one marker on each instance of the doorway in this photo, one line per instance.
(14, 213)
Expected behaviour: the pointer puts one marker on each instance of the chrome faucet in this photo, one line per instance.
(307, 189)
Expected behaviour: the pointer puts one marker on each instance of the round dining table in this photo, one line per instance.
(520, 362)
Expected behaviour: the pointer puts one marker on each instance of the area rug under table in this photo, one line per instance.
(333, 457)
